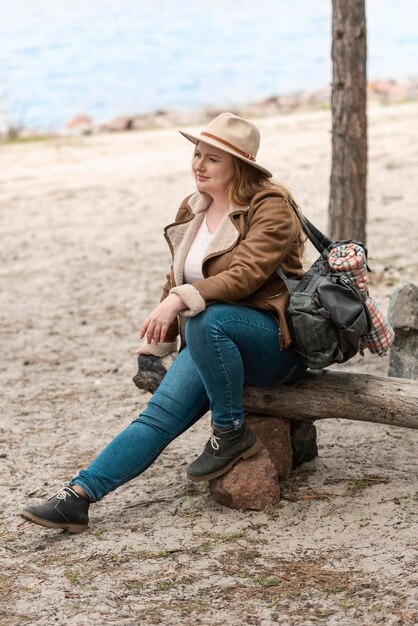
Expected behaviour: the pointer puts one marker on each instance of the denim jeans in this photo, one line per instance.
(227, 346)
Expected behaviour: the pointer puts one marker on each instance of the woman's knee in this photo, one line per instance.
(207, 321)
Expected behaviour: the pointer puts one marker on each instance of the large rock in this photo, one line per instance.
(403, 316)
(274, 435)
(250, 484)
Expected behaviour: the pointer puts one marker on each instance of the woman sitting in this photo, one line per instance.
(227, 303)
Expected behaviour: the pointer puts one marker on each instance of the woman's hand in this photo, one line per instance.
(156, 324)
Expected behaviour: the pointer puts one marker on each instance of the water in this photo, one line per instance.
(106, 58)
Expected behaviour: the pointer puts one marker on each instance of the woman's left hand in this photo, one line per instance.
(156, 324)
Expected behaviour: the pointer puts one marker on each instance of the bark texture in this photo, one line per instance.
(325, 394)
(347, 207)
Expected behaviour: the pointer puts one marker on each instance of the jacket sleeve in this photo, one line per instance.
(171, 344)
(180, 216)
(167, 286)
(270, 235)
(163, 348)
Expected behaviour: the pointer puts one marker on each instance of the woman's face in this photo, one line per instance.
(213, 169)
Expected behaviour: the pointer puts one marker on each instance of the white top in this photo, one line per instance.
(195, 256)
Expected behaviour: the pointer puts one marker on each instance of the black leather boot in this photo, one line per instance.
(222, 451)
(67, 510)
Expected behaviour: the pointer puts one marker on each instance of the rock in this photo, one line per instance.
(80, 124)
(403, 316)
(389, 91)
(290, 101)
(150, 372)
(263, 108)
(274, 434)
(303, 438)
(119, 124)
(250, 484)
(399, 93)
(316, 99)
(162, 119)
(403, 307)
(381, 87)
(142, 122)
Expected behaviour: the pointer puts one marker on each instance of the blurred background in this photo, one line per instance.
(106, 58)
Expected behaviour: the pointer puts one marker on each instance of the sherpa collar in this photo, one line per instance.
(199, 202)
(180, 236)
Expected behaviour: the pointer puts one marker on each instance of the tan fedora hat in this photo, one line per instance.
(234, 135)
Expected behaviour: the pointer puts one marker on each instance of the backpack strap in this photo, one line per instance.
(318, 239)
(289, 283)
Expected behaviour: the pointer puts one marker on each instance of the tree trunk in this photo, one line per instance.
(325, 394)
(347, 207)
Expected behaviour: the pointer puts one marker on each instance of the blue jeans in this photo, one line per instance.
(227, 346)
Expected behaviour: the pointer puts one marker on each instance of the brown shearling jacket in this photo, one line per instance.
(241, 259)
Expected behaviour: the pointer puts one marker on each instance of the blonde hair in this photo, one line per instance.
(248, 181)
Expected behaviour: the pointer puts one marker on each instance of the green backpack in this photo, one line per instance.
(326, 313)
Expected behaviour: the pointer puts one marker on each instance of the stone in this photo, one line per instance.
(263, 108)
(290, 101)
(403, 317)
(389, 91)
(316, 99)
(274, 435)
(403, 307)
(251, 484)
(303, 438)
(119, 124)
(381, 87)
(150, 372)
(80, 124)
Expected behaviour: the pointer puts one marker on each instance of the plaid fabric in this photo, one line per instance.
(351, 259)
(382, 335)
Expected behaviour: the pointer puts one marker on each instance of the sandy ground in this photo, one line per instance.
(83, 258)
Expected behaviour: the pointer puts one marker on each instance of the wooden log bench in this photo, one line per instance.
(290, 439)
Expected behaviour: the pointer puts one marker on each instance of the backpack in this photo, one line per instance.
(327, 314)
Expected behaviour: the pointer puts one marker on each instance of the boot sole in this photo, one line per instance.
(244, 455)
(71, 528)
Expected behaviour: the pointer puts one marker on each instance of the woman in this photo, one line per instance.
(226, 301)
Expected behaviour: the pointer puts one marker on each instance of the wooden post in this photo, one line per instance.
(347, 205)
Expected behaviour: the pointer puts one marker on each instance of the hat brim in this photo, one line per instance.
(220, 146)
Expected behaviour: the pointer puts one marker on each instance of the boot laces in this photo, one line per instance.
(214, 442)
(63, 493)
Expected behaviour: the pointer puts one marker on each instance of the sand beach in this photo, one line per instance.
(82, 258)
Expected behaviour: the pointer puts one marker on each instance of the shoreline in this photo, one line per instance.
(384, 91)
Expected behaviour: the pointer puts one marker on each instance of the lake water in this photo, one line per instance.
(105, 58)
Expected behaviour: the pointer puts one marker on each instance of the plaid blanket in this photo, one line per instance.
(351, 259)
